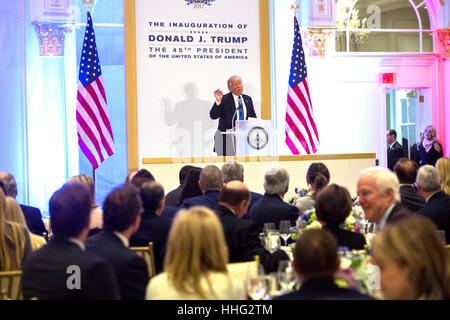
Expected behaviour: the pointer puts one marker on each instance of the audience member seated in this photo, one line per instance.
(173, 196)
(317, 177)
(428, 149)
(271, 208)
(333, 205)
(62, 269)
(191, 186)
(195, 267)
(437, 207)
(121, 217)
(379, 197)
(13, 213)
(154, 227)
(443, 169)
(210, 183)
(32, 215)
(406, 171)
(142, 176)
(96, 220)
(242, 235)
(233, 170)
(315, 262)
(14, 241)
(129, 177)
(412, 261)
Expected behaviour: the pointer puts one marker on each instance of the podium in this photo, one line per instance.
(253, 137)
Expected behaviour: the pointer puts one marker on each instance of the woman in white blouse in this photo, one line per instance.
(195, 266)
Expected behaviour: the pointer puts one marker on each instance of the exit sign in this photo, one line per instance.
(388, 78)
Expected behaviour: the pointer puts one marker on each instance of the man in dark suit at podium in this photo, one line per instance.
(228, 108)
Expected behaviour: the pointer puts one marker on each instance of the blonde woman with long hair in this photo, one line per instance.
(443, 169)
(428, 149)
(412, 260)
(13, 213)
(195, 266)
(14, 241)
(96, 221)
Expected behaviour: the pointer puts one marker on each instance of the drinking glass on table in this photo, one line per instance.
(267, 227)
(286, 276)
(441, 234)
(256, 282)
(285, 230)
(273, 242)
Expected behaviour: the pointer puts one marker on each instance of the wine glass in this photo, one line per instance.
(286, 276)
(267, 227)
(256, 282)
(273, 242)
(285, 230)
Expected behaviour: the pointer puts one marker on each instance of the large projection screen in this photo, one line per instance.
(177, 53)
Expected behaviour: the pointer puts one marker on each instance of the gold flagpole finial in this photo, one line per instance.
(88, 3)
(295, 7)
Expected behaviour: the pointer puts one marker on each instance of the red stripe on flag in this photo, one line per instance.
(299, 94)
(87, 152)
(90, 135)
(291, 145)
(297, 133)
(94, 96)
(301, 118)
(87, 108)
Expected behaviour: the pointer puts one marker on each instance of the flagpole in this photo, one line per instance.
(88, 4)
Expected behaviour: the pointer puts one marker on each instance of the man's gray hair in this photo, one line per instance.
(211, 178)
(10, 184)
(276, 181)
(385, 179)
(428, 179)
(232, 170)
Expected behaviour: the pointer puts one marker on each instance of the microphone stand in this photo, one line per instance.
(233, 128)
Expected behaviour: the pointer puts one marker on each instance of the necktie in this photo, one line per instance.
(241, 108)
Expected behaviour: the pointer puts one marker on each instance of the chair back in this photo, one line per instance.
(148, 255)
(11, 285)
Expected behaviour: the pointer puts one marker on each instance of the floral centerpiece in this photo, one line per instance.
(299, 193)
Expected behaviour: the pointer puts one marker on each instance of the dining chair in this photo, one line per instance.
(148, 255)
(11, 285)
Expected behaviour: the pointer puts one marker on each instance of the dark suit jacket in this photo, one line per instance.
(394, 154)
(254, 197)
(323, 289)
(169, 212)
(153, 228)
(243, 241)
(345, 238)
(210, 200)
(173, 196)
(437, 209)
(33, 219)
(45, 274)
(411, 198)
(398, 212)
(423, 157)
(271, 208)
(130, 269)
(225, 111)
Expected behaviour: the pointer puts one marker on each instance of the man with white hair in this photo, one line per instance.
(234, 171)
(379, 197)
(271, 208)
(437, 207)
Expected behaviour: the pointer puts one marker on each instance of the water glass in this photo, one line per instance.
(273, 242)
(256, 282)
(285, 230)
(286, 276)
(267, 227)
(441, 234)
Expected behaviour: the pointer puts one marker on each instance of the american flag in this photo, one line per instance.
(301, 131)
(95, 136)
